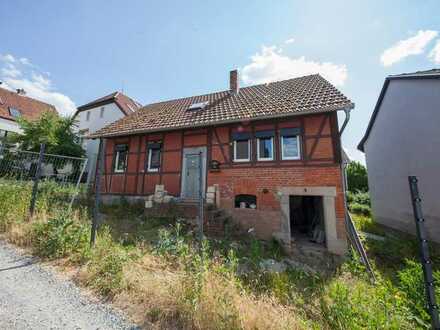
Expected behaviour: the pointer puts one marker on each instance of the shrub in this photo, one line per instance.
(61, 236)
(14, 202)
(360, 209)
(411, 282)
(360, 305)
(104, 270)
(357, 177)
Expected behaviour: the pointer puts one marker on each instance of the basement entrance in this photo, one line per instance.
(307, 219)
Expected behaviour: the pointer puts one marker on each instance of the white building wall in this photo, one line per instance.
(405, 140)
(9, 125)
(111, 113)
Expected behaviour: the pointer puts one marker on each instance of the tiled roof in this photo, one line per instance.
(126, 104)
(277, 99)
(29, 108)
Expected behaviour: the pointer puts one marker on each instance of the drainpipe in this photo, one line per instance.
(344, 166)
(347, 118)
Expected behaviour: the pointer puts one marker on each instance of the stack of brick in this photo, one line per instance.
(160, 196)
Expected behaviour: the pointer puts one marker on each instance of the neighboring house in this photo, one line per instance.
(97, 114)
(402, 139)
(271, 153)
(14, 105)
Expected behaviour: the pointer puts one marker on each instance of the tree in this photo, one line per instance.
(55, 131)
(357, 177)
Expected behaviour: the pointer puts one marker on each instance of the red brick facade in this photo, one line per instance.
(319, 166)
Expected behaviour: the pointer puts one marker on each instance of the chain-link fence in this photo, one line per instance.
(39, 166)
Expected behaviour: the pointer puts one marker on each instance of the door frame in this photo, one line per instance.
(187, 151)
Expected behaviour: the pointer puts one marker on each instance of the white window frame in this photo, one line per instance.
(298, 139)
(258, 149)
(115, 169)
(242, 160)
(150, 153)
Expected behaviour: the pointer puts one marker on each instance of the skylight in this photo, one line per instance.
(198, 106)
(14, 112)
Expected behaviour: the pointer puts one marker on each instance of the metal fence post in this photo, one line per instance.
(95, 219)
(424, 252)
(78, 183)
(37, 179)
(201, 206)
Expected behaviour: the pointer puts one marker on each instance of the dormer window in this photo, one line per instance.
(198, 106)
(14, 112)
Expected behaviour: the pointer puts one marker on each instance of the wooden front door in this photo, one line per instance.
(194, 165)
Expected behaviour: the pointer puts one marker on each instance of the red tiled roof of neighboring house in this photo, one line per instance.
(126, 104)
(309, 94)
(30, 109)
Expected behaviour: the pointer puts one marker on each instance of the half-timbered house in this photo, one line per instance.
(270, 153)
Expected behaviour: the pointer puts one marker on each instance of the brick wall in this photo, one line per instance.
(264, 183)
(319, 166)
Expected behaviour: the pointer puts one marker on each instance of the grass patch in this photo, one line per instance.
(154, 266)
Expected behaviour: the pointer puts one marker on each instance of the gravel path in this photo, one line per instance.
(31, 297)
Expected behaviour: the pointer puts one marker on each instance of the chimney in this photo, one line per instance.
(21, 91)
(233, 82)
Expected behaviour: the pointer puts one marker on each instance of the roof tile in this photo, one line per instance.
(288, 97)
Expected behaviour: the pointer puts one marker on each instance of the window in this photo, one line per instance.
(264, 145)
(14, 112)
(290, 147)
(154, 155)
(246, 201)
(121, 155)
(242, 150)
(241, 146)
(88, 116)
(101, 112)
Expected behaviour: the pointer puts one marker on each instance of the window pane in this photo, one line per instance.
(242, 149)
(154, 158)
(122, 161)
(121, 157)
(265, 147)
(290, 147)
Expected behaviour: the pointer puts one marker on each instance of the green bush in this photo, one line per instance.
(360, 305)
(105, 267)
(14, 202)
(411, 282)
(360, 209)
(357, 177)
(61, 236)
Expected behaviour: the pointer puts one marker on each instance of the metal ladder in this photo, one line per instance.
(355, 241)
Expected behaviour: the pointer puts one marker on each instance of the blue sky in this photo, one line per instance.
(71, 52)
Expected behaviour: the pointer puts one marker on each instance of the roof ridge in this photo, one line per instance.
(27, 97)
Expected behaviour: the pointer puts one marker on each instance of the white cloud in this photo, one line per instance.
(9, 70)
(434, 54)
(270, 65)
(412, 46)
(355, 154)
(7, 58)
(289, 41)
(24, 61)
(36, 84)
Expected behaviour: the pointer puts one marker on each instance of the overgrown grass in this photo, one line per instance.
(155, 268)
